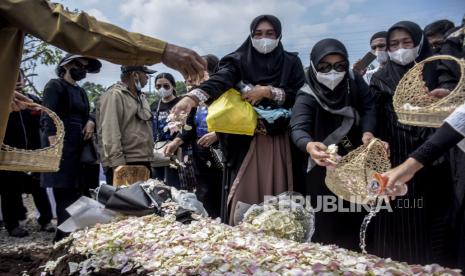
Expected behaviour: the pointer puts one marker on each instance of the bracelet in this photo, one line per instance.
(200, 95)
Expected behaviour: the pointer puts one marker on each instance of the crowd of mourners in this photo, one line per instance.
(302, 110)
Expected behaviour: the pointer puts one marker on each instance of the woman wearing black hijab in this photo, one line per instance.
(333, 108)
(415, 233)
(275, 76)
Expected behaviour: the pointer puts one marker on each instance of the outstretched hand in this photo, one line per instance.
(402, 173)
(318, 153)
(186, 61)
(185, 106)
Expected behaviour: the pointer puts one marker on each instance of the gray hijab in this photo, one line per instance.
(349, 114)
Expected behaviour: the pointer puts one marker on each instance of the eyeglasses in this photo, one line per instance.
(325, 67)
(166, 86)
(378, 46)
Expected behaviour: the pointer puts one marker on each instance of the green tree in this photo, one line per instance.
(181, 88)
(93, 90)
(152, 97)
(35, 52)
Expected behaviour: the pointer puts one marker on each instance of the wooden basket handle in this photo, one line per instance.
(369, 147)
(459, 62)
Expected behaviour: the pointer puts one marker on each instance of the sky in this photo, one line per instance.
(219, 27)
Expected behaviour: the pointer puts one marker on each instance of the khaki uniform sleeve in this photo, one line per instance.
(111, 110)
(81, 33)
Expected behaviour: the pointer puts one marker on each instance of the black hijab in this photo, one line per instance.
(212, 63)
(338, 97)
(258, 68)
(278, 68)
(273, 68)
(393, 72)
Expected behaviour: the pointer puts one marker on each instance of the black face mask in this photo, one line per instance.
(77, 74)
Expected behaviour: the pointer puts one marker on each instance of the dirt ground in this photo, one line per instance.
(28, 255)
(24, 256)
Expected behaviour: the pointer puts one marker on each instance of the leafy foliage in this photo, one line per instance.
(93, 90)
(181, 88)
(37, 52)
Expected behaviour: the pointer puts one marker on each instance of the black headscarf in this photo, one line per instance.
(270, 18)
(338, 97)
(278, 68)
(212, 63)
(265, 69)
(440, 27)
(392, 72)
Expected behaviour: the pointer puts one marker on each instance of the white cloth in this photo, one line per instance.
(369, 74)
(457, 121)
(86, 212)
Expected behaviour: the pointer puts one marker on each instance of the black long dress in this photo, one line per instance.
(449, 76)
(279, 68)
(72, 106)
(417, 229)
(310, 122)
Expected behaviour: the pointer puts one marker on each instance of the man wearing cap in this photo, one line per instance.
(378, 48)
(124, 122)
(76, 33)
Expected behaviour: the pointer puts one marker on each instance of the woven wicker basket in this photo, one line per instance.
(352, 175)
(415, 107)
(40, 160)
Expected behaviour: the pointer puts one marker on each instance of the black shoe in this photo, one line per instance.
(18, 232)
(48, 227)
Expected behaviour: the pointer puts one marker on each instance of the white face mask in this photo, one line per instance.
(330, 79)
(137, 85)
(404, 56)
(265, 45)
(164, 93)
(381, 57)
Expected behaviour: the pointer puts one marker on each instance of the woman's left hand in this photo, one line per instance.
(208, 139)
(439, 93)
(257, 93)
(368, 136)
(170, 148)
(88, 130)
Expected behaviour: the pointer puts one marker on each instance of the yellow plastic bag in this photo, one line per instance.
(230, 114)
